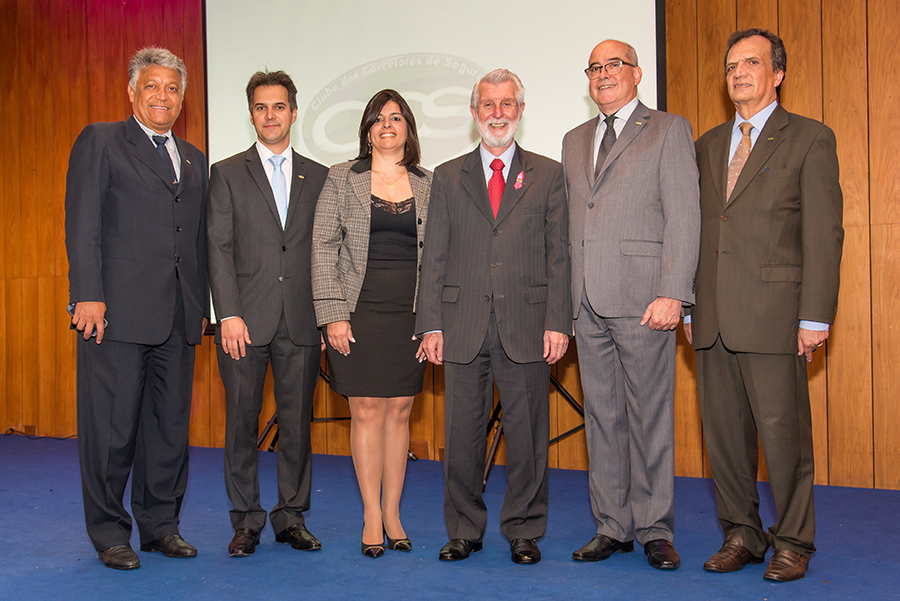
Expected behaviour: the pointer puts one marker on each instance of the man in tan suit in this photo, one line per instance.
(767, 289)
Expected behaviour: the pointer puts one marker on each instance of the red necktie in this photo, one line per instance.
(496, 185)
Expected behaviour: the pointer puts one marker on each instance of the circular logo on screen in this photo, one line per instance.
(436, 86)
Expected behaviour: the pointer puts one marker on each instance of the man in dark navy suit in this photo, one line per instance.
(136, 243)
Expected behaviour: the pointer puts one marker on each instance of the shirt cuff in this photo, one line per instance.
(815, 326)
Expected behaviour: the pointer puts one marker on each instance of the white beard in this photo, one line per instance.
(493, 140)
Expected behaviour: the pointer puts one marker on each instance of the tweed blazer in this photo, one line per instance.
(341, 236)
(771, 256)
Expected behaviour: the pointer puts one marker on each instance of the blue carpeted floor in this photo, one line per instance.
(45, 552)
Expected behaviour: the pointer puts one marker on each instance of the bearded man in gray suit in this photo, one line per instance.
(494, 306)
(260, 215)
(634, 227)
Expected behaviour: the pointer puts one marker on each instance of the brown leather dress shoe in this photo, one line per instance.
(524, 550)
(299, 538)
(786, 565)
(244, 542)
(661, 554)
(170, 546)
(120, 557)
(457, 549)
(601, 547)
(733, 556)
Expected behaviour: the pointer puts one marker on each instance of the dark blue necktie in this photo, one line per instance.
(160, 142)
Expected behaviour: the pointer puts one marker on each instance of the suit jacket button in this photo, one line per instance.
(280, 278)
(419, 221)
(177, 228)
(496, 232)
(284, 249)
(717, 254)
(495, 264)
(177, 199)
(724, 217)
(177, 259)
(487, 297)
(590, 205)
(421, 244)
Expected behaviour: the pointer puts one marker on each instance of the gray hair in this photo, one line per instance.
(160, 57)
(495, 78)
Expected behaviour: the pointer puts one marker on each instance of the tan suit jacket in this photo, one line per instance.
(772, 255)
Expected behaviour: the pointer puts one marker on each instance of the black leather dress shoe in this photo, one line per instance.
(458, 548)
(170, 546)
(299, 537)
(120, 557)
(733, 556)
(661, 554)
(524, 550)
(601, 547)
(244, 542)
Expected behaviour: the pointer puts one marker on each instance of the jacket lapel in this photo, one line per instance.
(473, 183)
(514, 189)
(588, 143)
(769, 139)
(254, 164)
(297, 176)
(719, 159)
(360, 179)
(146, 153)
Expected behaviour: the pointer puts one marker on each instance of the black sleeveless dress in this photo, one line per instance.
(382, 362)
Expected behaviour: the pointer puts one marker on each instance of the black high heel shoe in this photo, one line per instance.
(397, 544)
(373, 551)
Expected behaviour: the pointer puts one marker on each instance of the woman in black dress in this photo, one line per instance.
(367, 246)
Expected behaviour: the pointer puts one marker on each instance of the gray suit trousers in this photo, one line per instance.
(524, 395)
(295, 370)
(628, 378)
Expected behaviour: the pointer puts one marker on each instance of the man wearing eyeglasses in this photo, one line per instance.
(634, 229)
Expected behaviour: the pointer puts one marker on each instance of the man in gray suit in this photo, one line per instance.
(494, 306)
(767, 290)
(634, 225)
(260, 216)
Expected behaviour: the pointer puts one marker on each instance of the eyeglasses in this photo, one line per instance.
(612, 68)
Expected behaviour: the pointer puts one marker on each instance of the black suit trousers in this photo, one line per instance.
(134, 404)
(295, 370)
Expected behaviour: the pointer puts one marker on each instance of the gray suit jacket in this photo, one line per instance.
(341, 236)
(635, 230)
(257, 270)
(772, 256)
(518, 263)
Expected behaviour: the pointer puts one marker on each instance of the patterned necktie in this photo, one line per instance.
(279, 187)
(739, 158)
(496, 185)
(606, 144)
(160, 142)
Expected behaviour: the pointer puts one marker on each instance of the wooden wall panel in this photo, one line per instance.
(840, 69)
(886, 339)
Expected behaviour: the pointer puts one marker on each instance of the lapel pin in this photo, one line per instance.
(300, 176)
(770, 139)
(520, 179)
(187, 161)
(637, 123)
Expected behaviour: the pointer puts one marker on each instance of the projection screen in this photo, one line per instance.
(341, 52)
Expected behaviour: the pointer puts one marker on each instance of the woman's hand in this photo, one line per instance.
(340, 336)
